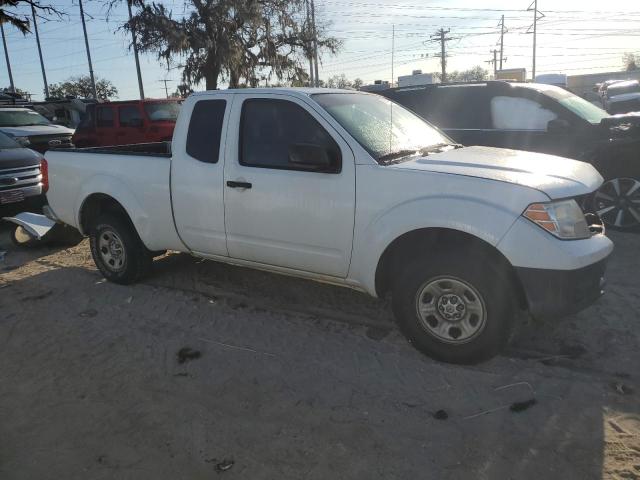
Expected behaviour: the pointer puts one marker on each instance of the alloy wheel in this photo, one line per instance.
(617, 202)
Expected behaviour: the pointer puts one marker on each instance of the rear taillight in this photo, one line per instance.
(44, 171)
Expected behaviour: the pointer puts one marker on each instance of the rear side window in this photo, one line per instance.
(459, 107)
(270, 127)
(205, 130)
(104, 117)
(516, 113)
(129, 116)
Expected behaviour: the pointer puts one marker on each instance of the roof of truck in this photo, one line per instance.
(301, 91)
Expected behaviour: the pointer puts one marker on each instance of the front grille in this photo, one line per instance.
(42, 143)
(17, 178)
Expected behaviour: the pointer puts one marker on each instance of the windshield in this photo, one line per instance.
(7, 142)
(162, 112)
(382, 127)
(21, 118)
(581, 107)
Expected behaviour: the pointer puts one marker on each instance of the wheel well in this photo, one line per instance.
(431, 240)
(97, 204)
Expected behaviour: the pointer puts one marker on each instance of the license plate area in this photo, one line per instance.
(13, 196)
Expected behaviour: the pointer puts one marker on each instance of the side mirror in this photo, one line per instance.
(558, 125)
(314, 158)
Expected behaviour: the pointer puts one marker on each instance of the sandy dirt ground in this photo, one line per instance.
(296, 380)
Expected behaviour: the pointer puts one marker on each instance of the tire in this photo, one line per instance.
(617, 202)
(477, 296)
(117, 250)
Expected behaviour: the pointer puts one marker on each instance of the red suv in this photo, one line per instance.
(127, 122)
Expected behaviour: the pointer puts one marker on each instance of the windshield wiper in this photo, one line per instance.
(392, 157)
(435, 148)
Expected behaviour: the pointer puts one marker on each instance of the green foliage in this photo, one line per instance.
(80, 87)
(341, 81)
(237, 41)
(475, 74)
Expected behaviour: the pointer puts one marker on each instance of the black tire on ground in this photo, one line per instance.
(117, 250)
(494, 292)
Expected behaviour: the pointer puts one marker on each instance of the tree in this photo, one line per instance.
(18, 91)
(239, 41)
(475, 74)
(21, 20)
(341, 81)
(631, 61)
(80, 87)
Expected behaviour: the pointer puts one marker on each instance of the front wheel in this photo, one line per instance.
(117, 250)
(455, 310)
(617, 202)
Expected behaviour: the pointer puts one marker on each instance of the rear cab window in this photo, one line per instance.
(130, 116)
(205, 130)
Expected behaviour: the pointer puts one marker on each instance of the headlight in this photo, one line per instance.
(24, 141)
(563, 218)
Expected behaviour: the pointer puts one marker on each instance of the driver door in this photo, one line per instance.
(276, 212)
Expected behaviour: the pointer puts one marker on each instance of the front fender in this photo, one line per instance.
(484, 219)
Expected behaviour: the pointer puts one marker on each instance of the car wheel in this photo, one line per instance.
(117, 250)
(617, 202)
(454, 309)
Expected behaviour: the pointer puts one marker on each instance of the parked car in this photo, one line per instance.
(351, 189)
(32, 130)
(621, 97)
(545, 119)
(21, 185)
(63, 111)
(129, 122)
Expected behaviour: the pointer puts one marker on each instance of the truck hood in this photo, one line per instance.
(32, 130)
(557, 177)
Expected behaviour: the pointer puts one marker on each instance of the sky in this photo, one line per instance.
(574, 37)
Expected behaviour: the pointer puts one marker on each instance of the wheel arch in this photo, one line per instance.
(97, 204)
(415, 242)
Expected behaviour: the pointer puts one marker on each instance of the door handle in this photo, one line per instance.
(234, 184)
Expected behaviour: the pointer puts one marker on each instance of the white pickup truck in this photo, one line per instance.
(352, 189)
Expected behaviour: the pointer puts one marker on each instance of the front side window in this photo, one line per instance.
(516, 113)
(579, 106)
(383, 128)
(104, 117)
(8, 142)
(280, 134)
(21, 118)
(205, 130)
(129, 116)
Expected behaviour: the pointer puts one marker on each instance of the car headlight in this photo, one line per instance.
(562, 218)
(24, 141)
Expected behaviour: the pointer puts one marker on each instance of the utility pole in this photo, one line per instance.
(86, 43)
(44, 75)
(135, 51)
(393, 49)
(6, 56)
(441, 36)
(166, 89)
(311, 78)
(537, 15)
(494, 62)
(315, 44)
(501, 41)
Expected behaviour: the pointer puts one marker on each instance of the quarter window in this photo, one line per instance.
(269, 130)
(205, 130)
(515, 113)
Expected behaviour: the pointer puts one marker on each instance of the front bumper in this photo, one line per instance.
(556, 293)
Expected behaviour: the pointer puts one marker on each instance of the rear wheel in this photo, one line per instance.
(617, 202)
(454, 309)
(117, 250)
